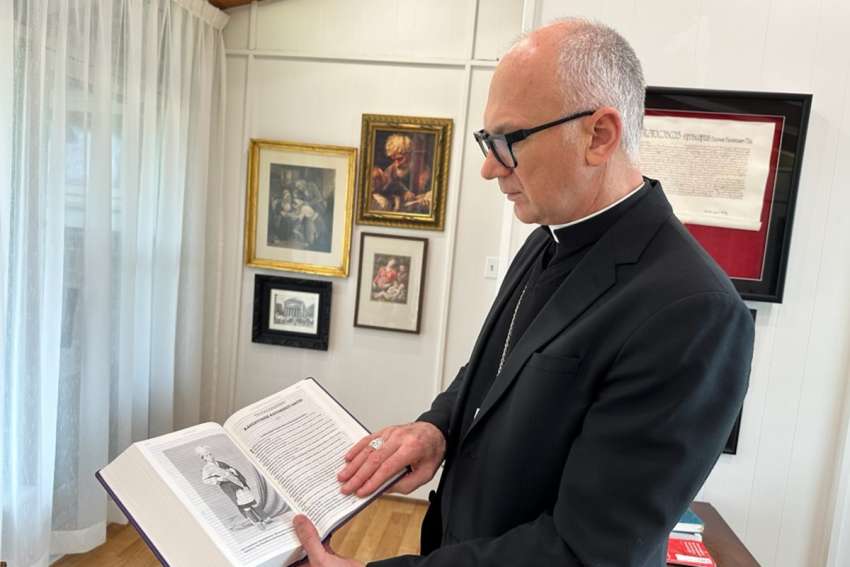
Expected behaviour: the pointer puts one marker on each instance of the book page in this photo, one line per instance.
(299, 437)
(243, 512)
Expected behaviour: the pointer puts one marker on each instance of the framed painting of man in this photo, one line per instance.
(291, 312)
(404, 166)
(390, 283)
(299, 207)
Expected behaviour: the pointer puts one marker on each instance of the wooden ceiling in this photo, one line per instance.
(223, 4)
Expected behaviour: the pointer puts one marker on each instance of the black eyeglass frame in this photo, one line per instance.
(485, 138)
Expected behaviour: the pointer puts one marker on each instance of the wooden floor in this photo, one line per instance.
(388, 527)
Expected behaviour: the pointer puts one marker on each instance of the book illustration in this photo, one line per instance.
(228, 484)
(224, 490)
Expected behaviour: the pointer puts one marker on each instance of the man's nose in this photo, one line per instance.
(492, 168)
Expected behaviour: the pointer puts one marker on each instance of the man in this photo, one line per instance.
(233, 484)
(613, 362)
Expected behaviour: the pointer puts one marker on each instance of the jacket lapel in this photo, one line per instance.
(592, 277)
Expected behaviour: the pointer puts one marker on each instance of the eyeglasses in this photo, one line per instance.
(502, 144)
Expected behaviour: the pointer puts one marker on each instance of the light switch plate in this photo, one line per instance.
(491, 267)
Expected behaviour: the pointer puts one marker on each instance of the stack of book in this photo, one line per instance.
(685, 546)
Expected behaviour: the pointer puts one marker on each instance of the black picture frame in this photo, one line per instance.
(299, 303)
(794, 110)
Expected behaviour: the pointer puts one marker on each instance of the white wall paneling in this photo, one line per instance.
(478, 234)
(305, 70)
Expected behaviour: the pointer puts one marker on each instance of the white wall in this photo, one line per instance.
(306, 70)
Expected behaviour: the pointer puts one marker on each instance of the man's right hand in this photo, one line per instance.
(419, 445)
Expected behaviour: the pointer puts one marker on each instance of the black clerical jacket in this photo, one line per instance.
(609, 412)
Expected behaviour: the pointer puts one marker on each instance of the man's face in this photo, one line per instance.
(546, 186)
(400, 158)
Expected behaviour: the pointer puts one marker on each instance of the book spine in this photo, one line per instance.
(132, 520)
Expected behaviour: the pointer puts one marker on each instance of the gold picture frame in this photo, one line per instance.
(299, 209)
(404, 171)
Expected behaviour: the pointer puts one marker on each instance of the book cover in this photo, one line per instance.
(689, 553)
(690, 523)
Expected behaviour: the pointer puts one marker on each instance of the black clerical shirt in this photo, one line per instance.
(549, 270)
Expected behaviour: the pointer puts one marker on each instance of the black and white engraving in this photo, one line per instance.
(301, 205)
(232, 489)
(294, 311)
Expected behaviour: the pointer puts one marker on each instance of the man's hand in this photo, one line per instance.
(420, 445)
(318, 555)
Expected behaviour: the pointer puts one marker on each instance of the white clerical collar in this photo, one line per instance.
(554, 227)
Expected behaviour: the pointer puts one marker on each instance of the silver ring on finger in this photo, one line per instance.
(376, 443)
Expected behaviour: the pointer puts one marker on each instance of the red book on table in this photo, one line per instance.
(688, 552)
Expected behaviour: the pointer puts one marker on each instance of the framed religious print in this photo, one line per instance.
(390, 284)
(730, 164)
(404, 171)
(299, 210)
(291, 312)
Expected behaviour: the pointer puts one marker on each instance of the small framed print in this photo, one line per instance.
(291, 312)
(390, 284)
(300, 207)
(730, 163)
(404, 171)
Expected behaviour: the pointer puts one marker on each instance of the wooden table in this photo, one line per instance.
(724, 546)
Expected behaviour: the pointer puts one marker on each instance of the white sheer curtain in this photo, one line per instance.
(114, 145)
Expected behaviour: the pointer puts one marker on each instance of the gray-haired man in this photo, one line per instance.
(614, 360)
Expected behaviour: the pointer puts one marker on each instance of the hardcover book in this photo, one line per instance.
(689, 553)
(690, 523)
(216, 495)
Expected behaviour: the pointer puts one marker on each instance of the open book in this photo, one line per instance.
(225, 495)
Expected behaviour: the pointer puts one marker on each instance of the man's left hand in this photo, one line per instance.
(318, 555)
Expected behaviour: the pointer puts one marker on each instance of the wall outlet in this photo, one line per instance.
(491, 267)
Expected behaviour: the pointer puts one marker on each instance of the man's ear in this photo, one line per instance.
(606, 130)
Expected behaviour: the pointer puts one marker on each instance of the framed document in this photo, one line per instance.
(730, 165)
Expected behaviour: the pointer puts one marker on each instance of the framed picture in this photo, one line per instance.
(291, 312)
(390, 284)
(730, 164)
(404, 171)
(299, 210)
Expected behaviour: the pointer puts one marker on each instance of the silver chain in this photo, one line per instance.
(511, 330)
